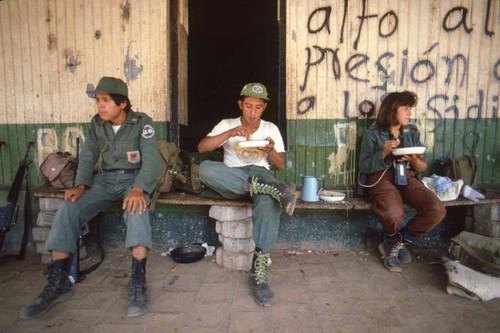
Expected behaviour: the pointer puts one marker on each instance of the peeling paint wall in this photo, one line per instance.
(52, 51)
(344, 56)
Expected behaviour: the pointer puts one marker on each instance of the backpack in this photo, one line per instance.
(59, 170)
(177, 172)
(459, 168)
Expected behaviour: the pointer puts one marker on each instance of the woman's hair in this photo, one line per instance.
(389, 107)
(118, 99)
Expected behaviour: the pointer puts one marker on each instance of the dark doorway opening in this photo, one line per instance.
(230, 43)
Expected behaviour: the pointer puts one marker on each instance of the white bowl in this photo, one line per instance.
(331, 196)
(253, 143)
(408, 151)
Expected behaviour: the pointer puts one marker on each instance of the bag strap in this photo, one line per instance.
(154, 199)
(378, 180)
(101, 249)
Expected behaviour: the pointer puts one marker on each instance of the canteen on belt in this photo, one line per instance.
(310, 190)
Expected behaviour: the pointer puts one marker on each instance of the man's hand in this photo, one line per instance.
(269, 147)
(74, 193)
(133, 199)
(240, 131)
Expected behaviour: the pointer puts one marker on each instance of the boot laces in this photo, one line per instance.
(261, 188)
(51, 286)
(395, 249)
(136, 286)
(260, 268)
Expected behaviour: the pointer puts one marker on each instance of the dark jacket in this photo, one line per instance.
(370, 157)
(133, 147)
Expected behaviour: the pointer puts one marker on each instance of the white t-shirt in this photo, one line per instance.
(235, 156)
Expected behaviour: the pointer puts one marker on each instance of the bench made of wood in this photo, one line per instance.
(175, 198)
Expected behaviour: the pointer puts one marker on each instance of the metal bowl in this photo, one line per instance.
(188, 253)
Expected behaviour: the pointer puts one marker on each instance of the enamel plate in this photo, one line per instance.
(331, 196)
(252, 143)
(408, 151)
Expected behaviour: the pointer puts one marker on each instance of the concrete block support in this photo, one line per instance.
(229, 213)
(41, 233)
(45, 218)
(50, 204)
(234, 226)
(487, 220)
(233, 261)
(495, 212)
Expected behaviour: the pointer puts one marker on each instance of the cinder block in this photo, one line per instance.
(482, 211)
(238, 245)
(234, 261)
(221, 239)
(229, 213)
(237, 229)
(50, 204)
(487, 227)
(495, 212)
(218, 255)
(41, 233)
(40, 247)
(45, 218)
(218, 227)
(495, 230)
(46, 258)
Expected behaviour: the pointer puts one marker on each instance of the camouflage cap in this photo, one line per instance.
(110, 85)
(255, 90)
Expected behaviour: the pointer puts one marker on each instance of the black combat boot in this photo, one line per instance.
(58, 289)
(284, 193)
(390, 250)
(137, 297)
(262, 294)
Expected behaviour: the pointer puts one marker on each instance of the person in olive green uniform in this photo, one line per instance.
(392, 130)
(130, 161)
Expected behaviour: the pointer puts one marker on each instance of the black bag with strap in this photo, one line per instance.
(178, 172)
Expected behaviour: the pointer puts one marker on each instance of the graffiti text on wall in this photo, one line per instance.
(420, 71)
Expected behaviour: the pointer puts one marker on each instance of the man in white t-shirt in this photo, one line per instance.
(252, 148)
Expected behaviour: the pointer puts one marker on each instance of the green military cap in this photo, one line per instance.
(255, 90)
(110, 85)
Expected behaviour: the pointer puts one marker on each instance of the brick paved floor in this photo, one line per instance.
(346, 291)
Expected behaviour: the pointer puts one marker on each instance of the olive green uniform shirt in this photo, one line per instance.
(370, 157)
(134, 147)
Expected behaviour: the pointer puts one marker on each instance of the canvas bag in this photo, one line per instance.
(460, 168)
(477, 251)
(177, 172)
(59, 170)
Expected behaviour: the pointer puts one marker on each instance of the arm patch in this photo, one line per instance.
(148, 132)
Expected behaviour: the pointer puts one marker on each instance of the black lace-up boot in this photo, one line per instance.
(262, 294)
(404, 254)
(137, 298)
(58, 289)
(284, 193)
(390, 251)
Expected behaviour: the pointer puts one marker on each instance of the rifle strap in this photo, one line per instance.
(101, 249)
(27, 217)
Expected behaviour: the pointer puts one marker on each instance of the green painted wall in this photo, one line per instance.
(17, 136)
(330, 148)
(324, 148)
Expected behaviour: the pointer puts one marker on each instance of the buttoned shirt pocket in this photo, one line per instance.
(132, 151)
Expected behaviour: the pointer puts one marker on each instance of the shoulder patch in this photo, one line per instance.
(148, 132)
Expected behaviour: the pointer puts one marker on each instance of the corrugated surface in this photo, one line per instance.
(341, 60)
(51, 51)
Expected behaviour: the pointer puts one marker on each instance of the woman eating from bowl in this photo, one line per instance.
(388, 189)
